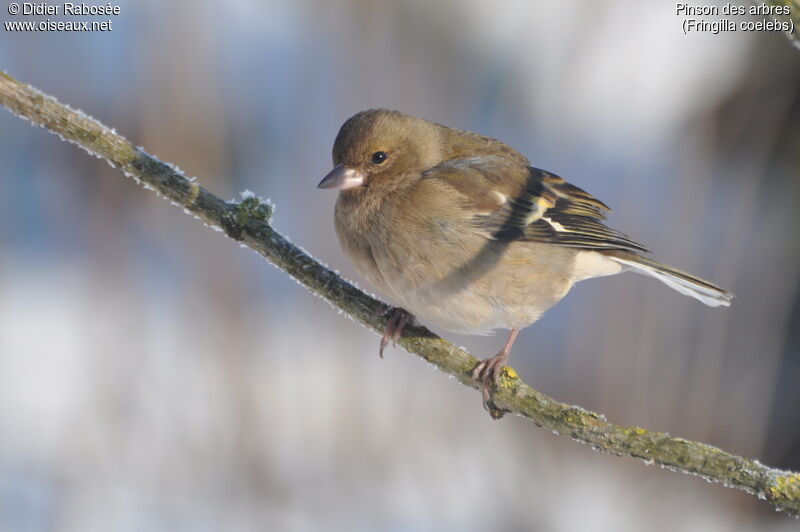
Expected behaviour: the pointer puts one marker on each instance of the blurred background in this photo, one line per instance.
(154, 376)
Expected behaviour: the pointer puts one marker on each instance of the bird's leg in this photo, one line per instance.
(488, 370)
(398, 319)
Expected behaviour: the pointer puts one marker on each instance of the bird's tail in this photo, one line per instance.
(686, 284)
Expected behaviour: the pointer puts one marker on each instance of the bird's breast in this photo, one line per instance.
(448, 275)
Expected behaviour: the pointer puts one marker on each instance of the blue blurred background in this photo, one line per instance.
(154, 376)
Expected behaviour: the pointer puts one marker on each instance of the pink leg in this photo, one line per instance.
(489, 370)
(398, 320)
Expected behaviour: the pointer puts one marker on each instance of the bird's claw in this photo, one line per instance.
(488, 372)
(398, 319)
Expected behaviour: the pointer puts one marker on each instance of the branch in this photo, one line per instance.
(249, 223)
(793, 18)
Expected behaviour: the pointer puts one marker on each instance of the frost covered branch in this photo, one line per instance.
(793, 17)
(249, 223)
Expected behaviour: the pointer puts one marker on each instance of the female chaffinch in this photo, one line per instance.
(460, 231)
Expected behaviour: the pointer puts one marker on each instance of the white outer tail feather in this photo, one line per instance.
(679, 281)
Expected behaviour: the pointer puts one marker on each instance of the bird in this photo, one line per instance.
(460, 231)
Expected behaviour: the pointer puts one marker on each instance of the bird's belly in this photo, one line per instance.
(468, 312)
(501, 286)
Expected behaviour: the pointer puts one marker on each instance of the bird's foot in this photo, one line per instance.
(398, 319)
(488, 372)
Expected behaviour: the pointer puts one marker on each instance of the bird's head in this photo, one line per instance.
(382, 149)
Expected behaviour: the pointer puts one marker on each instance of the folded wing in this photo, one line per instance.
(512, 202)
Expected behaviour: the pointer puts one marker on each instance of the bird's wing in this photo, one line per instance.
(512, 202)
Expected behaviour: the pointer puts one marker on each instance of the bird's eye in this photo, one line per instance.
(378, 157)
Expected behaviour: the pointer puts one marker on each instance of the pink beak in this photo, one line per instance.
(342, 178)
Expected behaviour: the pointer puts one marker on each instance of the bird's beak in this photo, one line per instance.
(341, 178)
